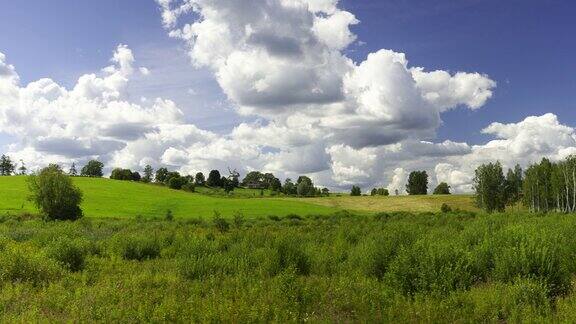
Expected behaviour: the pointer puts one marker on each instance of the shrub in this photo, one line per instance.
(24, 263)
(138, 247)
(431, 267)
(289, 254)
(445, 208)
(169, 216)
(54, 194)
(189, 187)
(528, 254)
(238, 219)
(70, 253)
(221, 224)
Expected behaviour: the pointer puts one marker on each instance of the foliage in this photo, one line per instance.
(551, 186)
(398, 267)
(445, 208)
(200, 179)
(6, 166)
(176, 182)
(161, 175)
(93, 169)
(379, 192)
(214, 179)
(148, 174)
(442, 189)
(55, 195)
(417, 183)
(356, 191)
(124, 174)
(489, 184)
(305, 187)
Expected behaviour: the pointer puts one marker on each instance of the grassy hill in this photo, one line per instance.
(111, 198)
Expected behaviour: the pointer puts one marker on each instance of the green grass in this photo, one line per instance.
(458, 267)
(112, 198)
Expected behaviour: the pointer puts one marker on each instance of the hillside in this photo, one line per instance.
(111, 198)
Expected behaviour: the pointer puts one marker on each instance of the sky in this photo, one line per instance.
(347, 92)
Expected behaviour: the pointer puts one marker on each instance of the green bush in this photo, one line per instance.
(25, 263)
(138, 246)
(522, 252)
(431, 267)
(70, 253)
(55, 195)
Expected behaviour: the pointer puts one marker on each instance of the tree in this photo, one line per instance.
(289, 187)
(373, 192)
(227, 184)
(22, 169)
(148, 174)
(325, 192)
(161, 175)
(417, 183)
(136, 176)
(72, 170)
(356, 191)
(541, 185)
(253, 179)
(6, 166)
(442, 189)
(233, 178)
(55, 195)
(514, 179)
(489, 184)
(305, 187)
(93, 169)
(176, 182)
(271, 182)
(200, 179)
(383, 192)
(214, 179)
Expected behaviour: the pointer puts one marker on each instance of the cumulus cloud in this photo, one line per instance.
(314, 110)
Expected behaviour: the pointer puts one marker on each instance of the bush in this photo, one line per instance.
(445, 208)
(169, 216)
(221, 224)
(24, 263)
(529, 254)
(70, 253)
(289, 254)
(176, 183)
(431, 267)
(55, 195)
(189, 187)
(138, 247)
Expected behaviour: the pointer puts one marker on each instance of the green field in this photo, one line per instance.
(112, 198)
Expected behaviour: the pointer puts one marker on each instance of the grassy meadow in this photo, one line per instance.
(394, 267)
(112, 198)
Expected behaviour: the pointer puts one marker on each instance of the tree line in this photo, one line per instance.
(544, 187)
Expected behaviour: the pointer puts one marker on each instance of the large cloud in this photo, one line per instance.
(316, 110)
(283, 60)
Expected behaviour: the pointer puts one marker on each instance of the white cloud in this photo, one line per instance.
(313, 110)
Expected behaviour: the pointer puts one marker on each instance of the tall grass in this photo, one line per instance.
(396, 267)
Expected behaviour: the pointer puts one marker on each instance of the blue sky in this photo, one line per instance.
(527, 47)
